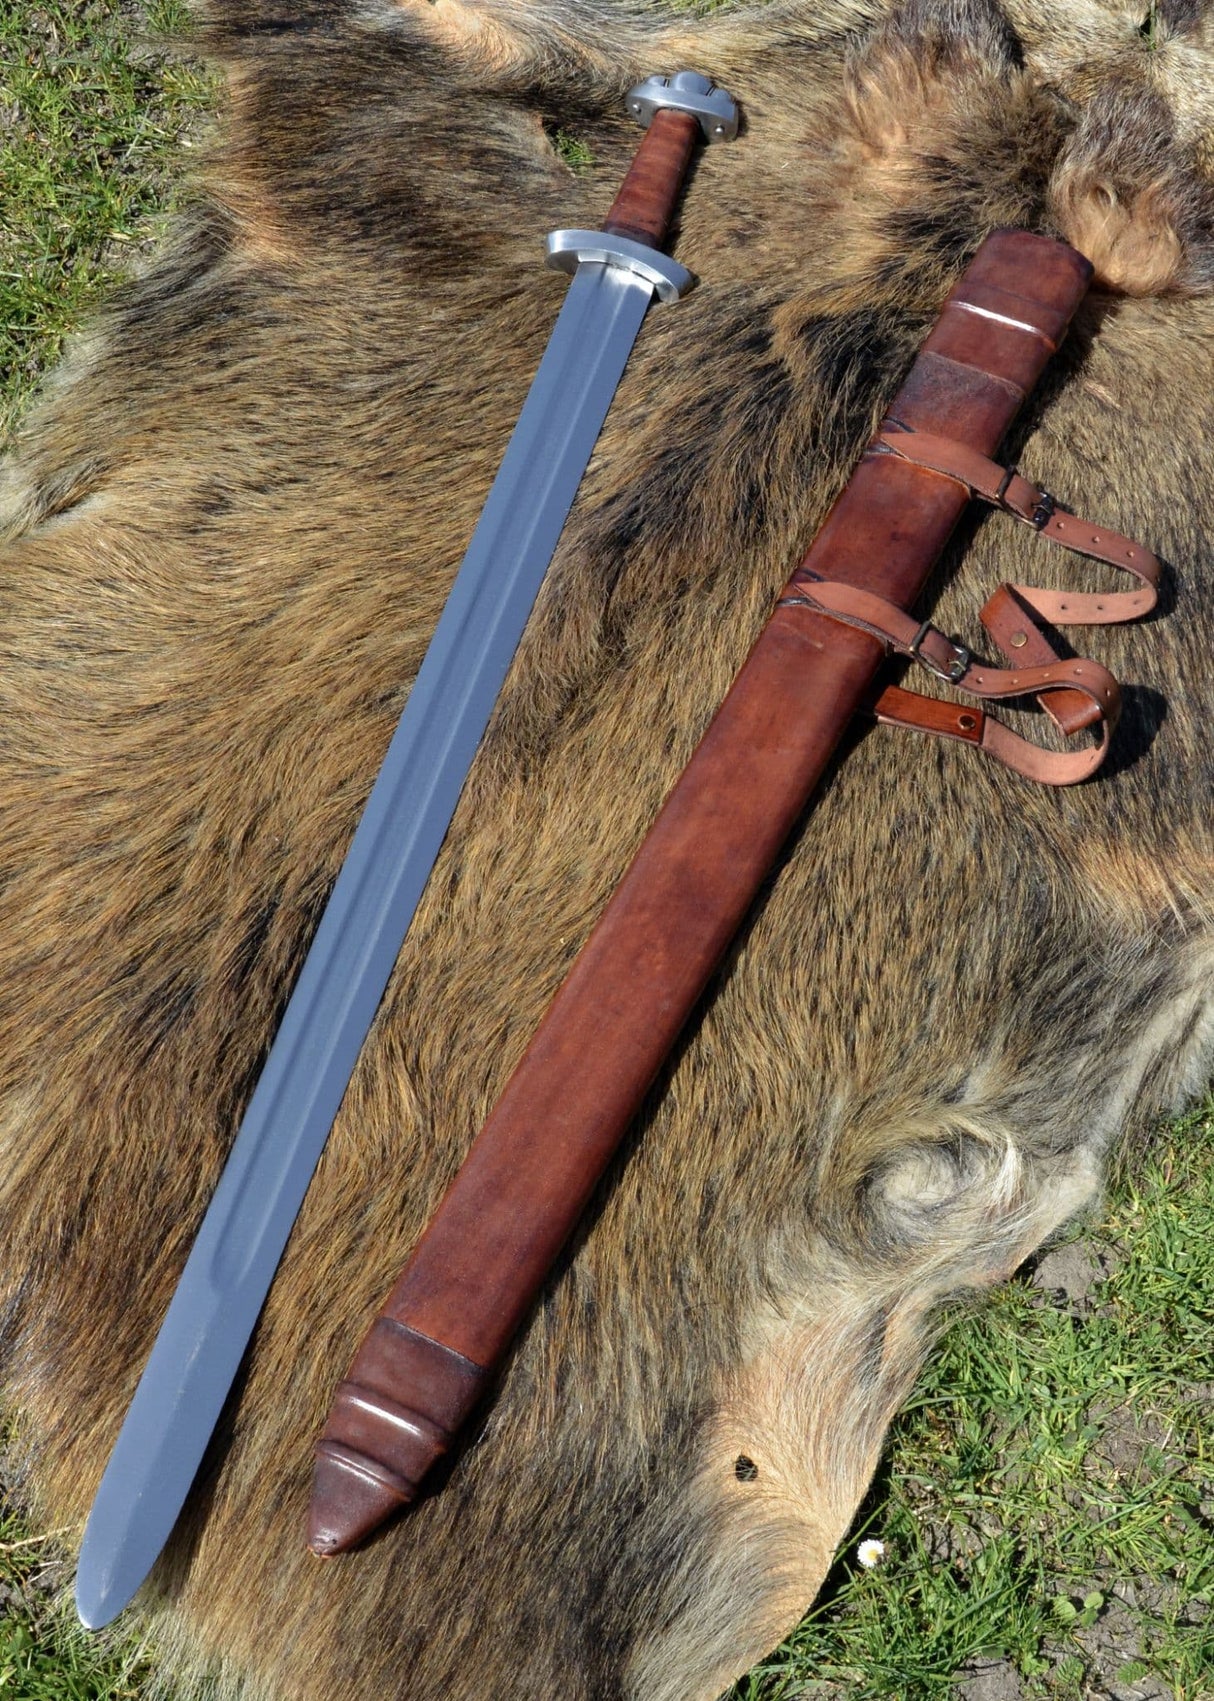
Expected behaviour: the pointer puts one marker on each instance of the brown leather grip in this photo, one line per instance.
(645, 205)
(480, 1264)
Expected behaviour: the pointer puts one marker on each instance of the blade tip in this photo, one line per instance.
(93, 1610)
(100, 1595)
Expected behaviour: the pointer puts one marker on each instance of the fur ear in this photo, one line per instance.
(935, 130)
(1128, 198)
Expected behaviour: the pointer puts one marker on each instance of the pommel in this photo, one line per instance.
(686, 91)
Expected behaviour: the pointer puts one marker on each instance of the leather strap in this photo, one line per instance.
(895, 707)
(1004, 488)
(1075, 693)
(1092, 685)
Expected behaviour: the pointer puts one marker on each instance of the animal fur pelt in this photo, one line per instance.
(231, 525)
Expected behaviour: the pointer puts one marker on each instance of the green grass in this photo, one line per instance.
(43, 1657)
(93, 121)
(1047, 1503)
(1048, 1498)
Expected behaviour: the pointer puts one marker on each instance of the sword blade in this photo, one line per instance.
(212, 1315)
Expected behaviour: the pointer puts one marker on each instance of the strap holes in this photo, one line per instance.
(967, 723)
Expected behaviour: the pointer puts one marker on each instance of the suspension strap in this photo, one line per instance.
(1074, 692)
(1004, 488)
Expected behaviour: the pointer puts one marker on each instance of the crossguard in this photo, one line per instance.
(569, 249)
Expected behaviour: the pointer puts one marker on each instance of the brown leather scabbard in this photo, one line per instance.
(481, 1262)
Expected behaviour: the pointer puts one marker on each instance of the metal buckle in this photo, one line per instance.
(956, 669)
(1042, 514)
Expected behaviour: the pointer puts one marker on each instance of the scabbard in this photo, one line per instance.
(482, 1260)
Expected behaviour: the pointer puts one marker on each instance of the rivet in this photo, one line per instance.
(1018, 640)
(967, 723)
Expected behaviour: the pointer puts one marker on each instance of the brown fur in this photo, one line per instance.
(231, 526)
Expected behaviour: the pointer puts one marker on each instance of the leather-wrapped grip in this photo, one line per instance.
(645, 204)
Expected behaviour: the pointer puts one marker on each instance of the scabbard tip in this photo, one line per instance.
(351, 1497)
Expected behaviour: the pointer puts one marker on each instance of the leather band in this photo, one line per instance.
(644, 206)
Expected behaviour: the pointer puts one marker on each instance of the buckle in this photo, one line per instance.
(1042, 513)
(956, 669)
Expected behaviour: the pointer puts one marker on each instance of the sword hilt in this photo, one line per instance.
(674, 112)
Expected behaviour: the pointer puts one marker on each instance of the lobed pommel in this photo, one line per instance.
(686, 91)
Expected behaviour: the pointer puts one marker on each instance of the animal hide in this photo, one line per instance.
(231, 524)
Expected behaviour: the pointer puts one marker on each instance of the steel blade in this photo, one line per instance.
(207, 1327)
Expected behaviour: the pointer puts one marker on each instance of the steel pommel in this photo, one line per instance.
(568, 249)
(686, 91)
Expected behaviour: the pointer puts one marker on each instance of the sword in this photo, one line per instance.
(616, 273)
